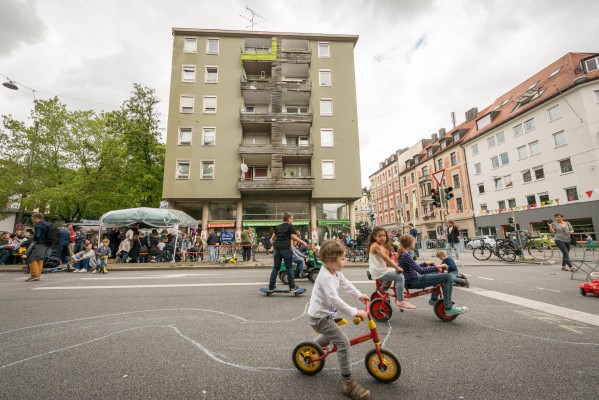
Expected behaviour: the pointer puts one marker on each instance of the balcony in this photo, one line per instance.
(295, 84)
(277, 185)
(249, 117)
(258, 49)
(260, 83)
(296, 56)
(286, 150)
(426, 199)
(423, 178)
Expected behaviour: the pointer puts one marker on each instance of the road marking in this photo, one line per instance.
(551, 290)
(486, 279)
(168, 276)
(261, 284)
(585, 318)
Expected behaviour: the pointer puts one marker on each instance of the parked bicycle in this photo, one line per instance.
(508, 249)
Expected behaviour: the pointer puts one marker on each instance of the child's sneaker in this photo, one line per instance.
(354, 390)
(404, 305)
(104, 270)
(455, 310)
(95, 271)
(432, 302)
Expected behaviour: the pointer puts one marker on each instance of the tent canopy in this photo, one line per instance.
(148, 218)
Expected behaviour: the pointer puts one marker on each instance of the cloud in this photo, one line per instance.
(19, 24)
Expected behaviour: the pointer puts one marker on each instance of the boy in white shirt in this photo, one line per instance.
(324, 304)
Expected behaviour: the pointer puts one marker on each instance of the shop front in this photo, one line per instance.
(222, 226)
(332, 228)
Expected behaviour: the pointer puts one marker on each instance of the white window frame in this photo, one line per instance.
(478, 169)
(529, 174)
(484, 121)
(500, 138)
(563, 133)
(555, 72)
(443, 144)
(325, 72)
(586, 64)
(491, 142)
(209, 111)
(507, 156)
(202, 162)
(518, 130)
(180, 142)
(495, 164)
(181, 106)
(527, 129)
(534, 172)
(532, 145)
(520, 150)
(189, 67)
(475, 149)
(206, 68)
(327, 162)
(479, 186)
(551, 118)
(596, 96)
(208, 129)
(190, 49)
(208, 40)
(183, 161)
(577, 194)
(327, 132)
(324, 101)
(324, 45)
(560, 166)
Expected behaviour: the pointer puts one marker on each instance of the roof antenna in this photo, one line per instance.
(252, 20)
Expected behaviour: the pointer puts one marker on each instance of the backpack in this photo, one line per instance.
(52, 236)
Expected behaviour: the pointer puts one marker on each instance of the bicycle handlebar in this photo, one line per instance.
(357, 320)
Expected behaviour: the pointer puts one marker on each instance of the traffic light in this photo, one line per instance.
(372, 217)
(510, 221)
(436, 198)
(448, 194)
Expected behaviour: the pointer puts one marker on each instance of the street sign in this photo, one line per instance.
(438, 177)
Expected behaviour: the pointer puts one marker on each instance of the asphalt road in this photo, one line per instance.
(211, 334)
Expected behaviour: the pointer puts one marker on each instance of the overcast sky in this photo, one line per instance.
(416, 61)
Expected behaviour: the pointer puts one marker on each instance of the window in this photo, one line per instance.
(539, 173)
(491, 142)
(405, 181)
(534, 148)
(324, 77)
(571, 194)
(407, 199)
(543, 197)
(211, 74)
(531, 199)
(209, 104)
(182, 169)
(507, 181)
(190, 45)
(483, 207)
(475, 149)
(443, 144)
(592, 64)
(440, 163)
(565, 165)
(511, 203)
(189, 73)
(326, 107)
(186, 103)
(495, 162)
(207, 171)
(458, 204)
(328, 170)
(296, 109)
(430, 152)
(256, 139)
(326, 138)
(208, 136)
(554, 113)
(518, 130)
(412, 177)
(477, 168)
(481, 188)
(522, 154)
(500, 138)
(456, 137)
(559, 138)
(212, 46)
(505, 160)
(501, 204)
(484, 121)
(184, 136)
(555, 72)
(526, 176)
(529, 125)
(454, 158)
(456, 181)
(498, 183)
(324, 50)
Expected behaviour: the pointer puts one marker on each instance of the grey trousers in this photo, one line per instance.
(331, 333)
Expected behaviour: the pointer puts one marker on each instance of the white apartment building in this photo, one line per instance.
(535, 151)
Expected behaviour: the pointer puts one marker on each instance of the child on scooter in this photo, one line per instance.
(452, 269)
(324, 304)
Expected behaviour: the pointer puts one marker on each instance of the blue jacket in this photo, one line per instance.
(41, 228)
(451, 267)
(65, 236)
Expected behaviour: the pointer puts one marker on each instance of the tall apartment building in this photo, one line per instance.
(261, 123)
(535, 151)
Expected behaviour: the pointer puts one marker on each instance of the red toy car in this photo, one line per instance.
(589, 287)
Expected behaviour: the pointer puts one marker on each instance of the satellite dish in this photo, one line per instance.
(244, 168)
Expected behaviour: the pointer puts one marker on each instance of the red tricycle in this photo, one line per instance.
(589, 287)
(380, 300)
(382, 364)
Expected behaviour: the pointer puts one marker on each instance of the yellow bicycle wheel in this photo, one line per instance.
(303, 353)
(387, 371)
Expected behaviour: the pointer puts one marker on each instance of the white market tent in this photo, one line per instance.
(148, 218)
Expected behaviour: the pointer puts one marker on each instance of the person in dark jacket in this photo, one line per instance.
(38, 251)
(453, 239)
(211, 242)
(79, 238)
(414, 233)
(154, 240)
(135, 248)
(63, 244)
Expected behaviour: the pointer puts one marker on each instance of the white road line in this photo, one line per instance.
(486, 279)
(568, 313)
(261, 284)
(551, 290)
(169, 276)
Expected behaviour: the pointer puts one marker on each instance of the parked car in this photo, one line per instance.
(545, 238)
(479, 240)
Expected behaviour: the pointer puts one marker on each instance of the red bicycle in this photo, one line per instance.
(382, 364)
(380, 300)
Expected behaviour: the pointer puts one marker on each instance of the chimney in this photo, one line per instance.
(453, 118)
(471, 114)
(442, 132)
(434, 137)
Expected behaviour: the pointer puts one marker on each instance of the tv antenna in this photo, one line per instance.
(253, 18)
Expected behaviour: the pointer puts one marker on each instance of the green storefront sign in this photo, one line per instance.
(298, 222)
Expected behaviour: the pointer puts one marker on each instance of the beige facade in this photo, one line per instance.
(261, 123)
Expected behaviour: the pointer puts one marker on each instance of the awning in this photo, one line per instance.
(299, 222)
(221, 224)
(147, 217)
(326, 222)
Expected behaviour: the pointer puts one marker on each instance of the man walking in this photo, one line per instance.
(453, 239)
(246, 243)
(211, 242)
(414, 233)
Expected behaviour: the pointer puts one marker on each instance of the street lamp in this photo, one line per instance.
(10, 84)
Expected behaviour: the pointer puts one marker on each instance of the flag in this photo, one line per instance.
(589, 193)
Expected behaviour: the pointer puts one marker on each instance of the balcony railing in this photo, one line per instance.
(270, 185)
(286, 150)
(298, 56)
